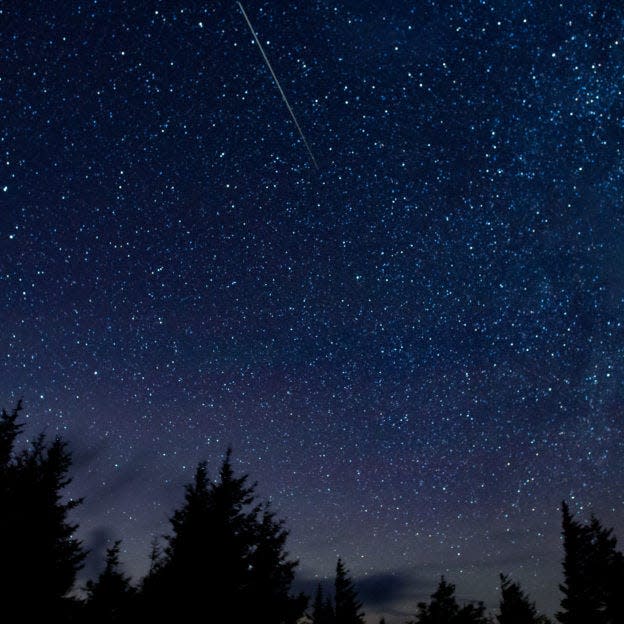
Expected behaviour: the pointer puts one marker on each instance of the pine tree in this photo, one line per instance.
(271, 574)
(606, 568)
(109, 598)
(224, 558)
(444, 609)
(153, 590)
(317, 606)
(515, 606)
(39, 555)
(347, 605)
(9, 430)
(578, 606)
(204, 563)
(472, 614)
(593, 572)
(322, 608)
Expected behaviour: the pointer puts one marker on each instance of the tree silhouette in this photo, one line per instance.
(322, 608)
(443, 606)
(225, 557)
(109, 598)
(39, 555)
(271, 574)
(9, 430)
(608, 571)
(578, 605)
(347, 606)
(444, 609)
(515, 606)
(593, 573)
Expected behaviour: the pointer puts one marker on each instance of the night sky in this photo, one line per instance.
(416, 350)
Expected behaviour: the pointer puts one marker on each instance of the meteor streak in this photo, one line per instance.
(268, 64)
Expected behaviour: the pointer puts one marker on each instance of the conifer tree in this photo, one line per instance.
(515, 606)
(593, 572)
(444, 609)
(322, 608)
(39, 557)
(347, 606)
(224, 558)
(443, 606)
(607, 571)
(317, 606)
(271, 574)
(9, 430)
(472, 614)
(109, 598)
(153, 590)
(329, 612)
(578, 605)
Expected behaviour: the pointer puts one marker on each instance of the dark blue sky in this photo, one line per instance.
(416, 349)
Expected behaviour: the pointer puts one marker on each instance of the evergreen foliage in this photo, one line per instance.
(347, 606)
(444, 609)
(515, 606)
(593, 572)
(109, 598)
(9, 430)
(224, 557)
(322, 608)
(40, 556)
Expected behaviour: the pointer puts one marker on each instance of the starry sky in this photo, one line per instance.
(416, 349)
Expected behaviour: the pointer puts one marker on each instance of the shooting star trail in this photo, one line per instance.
(279, 86)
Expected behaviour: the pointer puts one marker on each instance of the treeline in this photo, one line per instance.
(224, 560)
